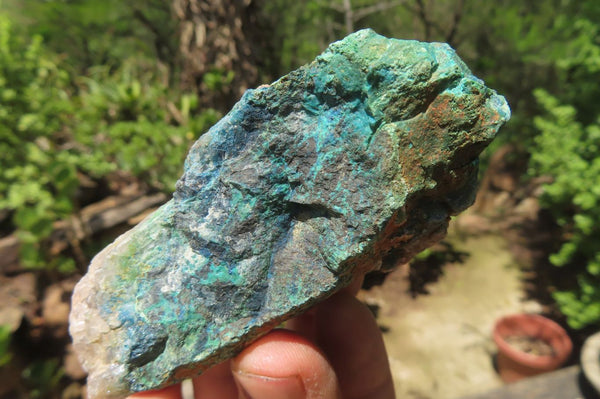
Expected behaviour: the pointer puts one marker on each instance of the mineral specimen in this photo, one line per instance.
(351, 163)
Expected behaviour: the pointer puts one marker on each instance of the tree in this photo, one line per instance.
(353, 14)
(220, 45)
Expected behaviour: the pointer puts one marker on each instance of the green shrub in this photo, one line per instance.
(570, 153)
(38, 179)
(134, 123)
(567, 148)
(55, 127)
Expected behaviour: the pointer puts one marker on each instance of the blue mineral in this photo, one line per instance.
(352, 163)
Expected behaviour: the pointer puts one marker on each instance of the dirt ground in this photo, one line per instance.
(440, 344)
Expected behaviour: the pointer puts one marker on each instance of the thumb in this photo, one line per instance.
(283, 365)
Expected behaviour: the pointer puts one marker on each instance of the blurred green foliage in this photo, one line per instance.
(567, 148)
(56, 125)
(43, 377)
(131, 122)
(568, 151)
(5, 338)
(38, 180)
(99, 32)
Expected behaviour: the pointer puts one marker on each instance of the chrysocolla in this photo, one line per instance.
(352, 163)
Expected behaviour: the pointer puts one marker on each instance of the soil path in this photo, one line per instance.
(440, 344)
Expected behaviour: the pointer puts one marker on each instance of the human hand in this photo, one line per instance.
(333, 351)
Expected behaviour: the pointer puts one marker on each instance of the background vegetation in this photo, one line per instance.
(95, 93)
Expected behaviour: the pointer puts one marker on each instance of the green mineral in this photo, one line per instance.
(354, 162)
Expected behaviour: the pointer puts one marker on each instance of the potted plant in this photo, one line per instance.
(528, 345)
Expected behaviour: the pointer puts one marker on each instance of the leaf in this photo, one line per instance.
(5, 340)
(66, 265)
(43, 376)
(36, 220)
(30, 255)
(27, 121)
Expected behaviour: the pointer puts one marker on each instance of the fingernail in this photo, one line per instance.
(254, 386)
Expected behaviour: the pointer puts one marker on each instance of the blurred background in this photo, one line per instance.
(101, 99)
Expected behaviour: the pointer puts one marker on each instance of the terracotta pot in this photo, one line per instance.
(514, 364)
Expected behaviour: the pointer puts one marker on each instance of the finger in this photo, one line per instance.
(355, 285)
(305, 324)
(351, 340)
(284, 365)
(172, 392)
(215, 383)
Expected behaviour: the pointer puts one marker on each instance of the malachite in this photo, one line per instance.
(354, 162)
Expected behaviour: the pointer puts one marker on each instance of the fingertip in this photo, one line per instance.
(260, 387)
(284, 365)
(280, 353)
(215, 383)
(171, 392)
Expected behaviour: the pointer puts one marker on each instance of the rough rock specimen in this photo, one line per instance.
(351, 163)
